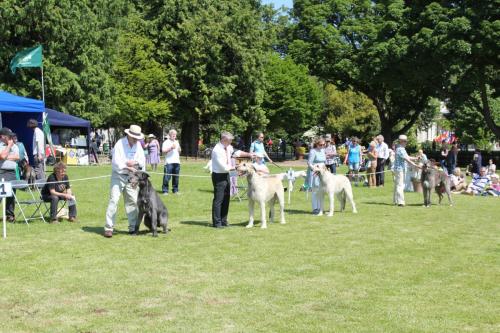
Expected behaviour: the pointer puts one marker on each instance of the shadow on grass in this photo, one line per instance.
(209, 224)
(297, 211)
(390, 204)
(100, 231)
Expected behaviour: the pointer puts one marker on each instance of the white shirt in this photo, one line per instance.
(173, 155)
(8, 164)
(221, 158)
(383, 150)
(38, 142)
(122, 152)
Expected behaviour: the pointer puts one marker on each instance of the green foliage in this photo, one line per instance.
(349, 113)
(463, 37)
(78, 39)
(292, 99)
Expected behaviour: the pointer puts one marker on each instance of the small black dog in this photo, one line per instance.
(150, 205)
(433, 178)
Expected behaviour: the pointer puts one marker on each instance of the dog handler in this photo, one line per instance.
(128, 156)
(399, 170)
(221, 165)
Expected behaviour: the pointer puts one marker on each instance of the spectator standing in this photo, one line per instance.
(22, 150)
(372, 164)
(128, 156)
(172, 149)
(382, 156)
(353, 159)
(9, 155)
(58, 188)
(38, 149)
(492, 168)
(451, 159)
(400, 161)
(258, 147)
(153, 151)
(331, 154)
(283, 149)
(444, 156)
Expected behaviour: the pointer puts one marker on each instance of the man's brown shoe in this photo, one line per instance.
(108, 233)
(72, 219)
(54, 221)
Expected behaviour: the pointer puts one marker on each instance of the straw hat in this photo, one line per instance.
(328, 137)
(151, 136)
(403, 137)
(134, 131)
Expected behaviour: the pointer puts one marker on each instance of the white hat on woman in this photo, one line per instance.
(134, 131)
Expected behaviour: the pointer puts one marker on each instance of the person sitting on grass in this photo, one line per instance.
(479, 183)
(457, 181)
(494, 188)
(58, 188)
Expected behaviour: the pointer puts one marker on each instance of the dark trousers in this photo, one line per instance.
(54, 201)
(220, 204)
(10, 204)
(379, 177)
(169, 170)
(332, 168)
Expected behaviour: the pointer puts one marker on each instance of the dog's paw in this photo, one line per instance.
(354, 211)
(330, 214)
(249, 226)
(319, 214)
(282, 222)
(263, 226)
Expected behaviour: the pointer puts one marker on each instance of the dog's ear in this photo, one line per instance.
(144, 175)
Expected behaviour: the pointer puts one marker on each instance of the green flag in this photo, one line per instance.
(27, 58)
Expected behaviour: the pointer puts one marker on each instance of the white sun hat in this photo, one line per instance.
(135, 132)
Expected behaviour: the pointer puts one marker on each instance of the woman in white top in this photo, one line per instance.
(172, 149)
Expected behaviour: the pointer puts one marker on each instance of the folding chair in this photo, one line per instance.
(31, 203)
(39, 184)
(241, 189)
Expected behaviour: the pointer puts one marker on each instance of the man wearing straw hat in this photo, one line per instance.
(128, 156)
(399, 170)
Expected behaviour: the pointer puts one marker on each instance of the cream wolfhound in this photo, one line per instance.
(262, 189)
(334, 185)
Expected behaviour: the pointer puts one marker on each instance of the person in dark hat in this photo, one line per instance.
(9, 155)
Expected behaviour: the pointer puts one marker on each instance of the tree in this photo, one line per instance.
(367, 46)
(464, 35)
(350, 114)
(216, 49)
(292, 99)
(78, 38)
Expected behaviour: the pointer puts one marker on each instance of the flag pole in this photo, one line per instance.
(43, 87)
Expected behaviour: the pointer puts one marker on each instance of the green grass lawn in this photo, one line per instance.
(385, 269)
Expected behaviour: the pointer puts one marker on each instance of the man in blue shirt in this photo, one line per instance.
(258, 147)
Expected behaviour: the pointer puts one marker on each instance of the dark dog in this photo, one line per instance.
(151, 208)
(432, 178)
(27, 172)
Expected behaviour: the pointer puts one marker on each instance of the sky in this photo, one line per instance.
(279, 3)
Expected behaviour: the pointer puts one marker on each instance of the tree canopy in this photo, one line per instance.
(209, 65)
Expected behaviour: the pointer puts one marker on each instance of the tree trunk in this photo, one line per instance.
(486, 112)
(189, 136)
